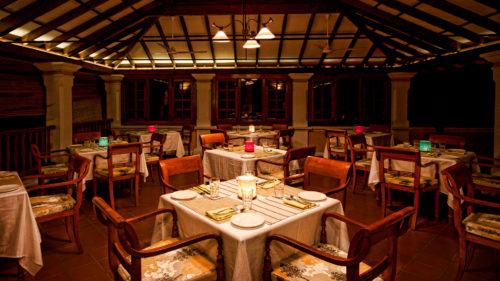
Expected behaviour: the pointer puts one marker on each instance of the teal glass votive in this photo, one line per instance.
(425, 145)
(103, 141)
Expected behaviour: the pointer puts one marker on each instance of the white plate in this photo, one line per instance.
(247, 156)
(8, 187)
(312, 195)
(184, 194)
(247, 220)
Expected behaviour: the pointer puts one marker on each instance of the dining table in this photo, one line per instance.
(443, 157)
(372, 139)
(172, 143)
(243, 245)
(228, 163)
(19, 234)
(252, 136)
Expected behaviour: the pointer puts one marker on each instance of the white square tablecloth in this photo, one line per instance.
(244, 248)
(173, 142)
(19, 234)
(252, 136)
(229, 165)
(372, 138)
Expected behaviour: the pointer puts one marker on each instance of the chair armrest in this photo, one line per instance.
(150, 214)
(50, 185)
(55, 156)
(269, 162)
(480, 202)
(341, 218)
(336, 189)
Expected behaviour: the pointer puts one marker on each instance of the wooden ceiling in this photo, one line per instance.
(360, 33)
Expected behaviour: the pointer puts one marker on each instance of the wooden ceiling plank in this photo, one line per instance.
(401, 24)
(53, 24)
(188, 41)
(234, 41)
(27, 14)
(351, 45)
(306, 38)
(117, 27)
(164, 40)
(332, 36)
(93, 21)
(283, 30)
(465, 14)
(495, 4)
(148, 53)
(207, 27)
(474, 37)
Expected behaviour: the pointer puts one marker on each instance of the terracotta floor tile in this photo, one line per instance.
(428, 272)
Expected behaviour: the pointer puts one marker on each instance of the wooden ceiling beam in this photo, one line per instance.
(188, 41)
(117, 27)
(148, 53)
(332, 36)
(495, 4)
(27, 14)
(207, 27)
(283, 30)
(93, 21)
(464, 14)
(234, 41)
(348, 52)
(53, 24)
(165, 42)
(395, 22)
(306, 38)
(446, 25)
(133, 41)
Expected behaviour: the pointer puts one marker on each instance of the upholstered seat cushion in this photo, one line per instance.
(337, 148)
(152, 157)
(486, 180)
(484, 225)
(51, 204)
(301, 266)
(408, 180)
(364, 163)
(54, 169)
(179, 265)
(117, 171)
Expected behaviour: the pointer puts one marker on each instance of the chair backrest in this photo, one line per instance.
(379, 128)
(356, 142)
(78, 169)
(334, 137)
(225, 126)
(458, 181)
(131, 156)
(322, 174)
(80, 137)
(284, 138)
(449, 140)
(387, 229)
(300, 154)
(181, 173)
(391, 153)
(278, 126)
(209, 141)
(421, 133)
(156, 143)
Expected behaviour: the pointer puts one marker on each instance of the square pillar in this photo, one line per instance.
(58, 80)
(300, 90)
(113, 86)
(400, 84)
(203, 105)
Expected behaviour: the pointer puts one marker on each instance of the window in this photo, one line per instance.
(159, 101)
(251, 99)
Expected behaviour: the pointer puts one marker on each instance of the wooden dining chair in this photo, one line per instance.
(284, 139)
(123, 162)
(211, 141)
(409, 180)
(449, 140)
(473, 227)
(46, 168)
(268, 169)
(327, 262)
(62, 205)
(279, 126)
(359, 157)
(328, 176)
(187, 137)
(336, 143)
(171, 258)
(156, 152)
(181, 173)
(379, 128)
(81, 137)
(483, 177)
(421, 133)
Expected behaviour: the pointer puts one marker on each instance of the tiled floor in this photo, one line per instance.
(429, 253)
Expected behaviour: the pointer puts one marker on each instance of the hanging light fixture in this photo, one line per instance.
(251, 43)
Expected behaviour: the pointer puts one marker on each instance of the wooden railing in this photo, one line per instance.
(15, 148)
(92, 126)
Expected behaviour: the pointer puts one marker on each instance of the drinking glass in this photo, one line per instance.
(279, 189)
(442, 145)
(86, 143)
(247, 197)
(230, 147)
(214, 187)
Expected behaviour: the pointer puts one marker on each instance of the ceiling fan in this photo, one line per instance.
(173, 51)
(326, 48)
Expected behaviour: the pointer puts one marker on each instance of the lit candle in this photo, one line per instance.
(249, 146)
(358, 129)
(247, 183)
(151, 129)
(251, 128)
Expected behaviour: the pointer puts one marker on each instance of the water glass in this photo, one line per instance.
(214, 187)
(230, 147)
(247, 197)
(279, 189)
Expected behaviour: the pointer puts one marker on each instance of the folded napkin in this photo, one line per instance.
(201, 189)
(221, 214)
(298, 203)
(268, 184)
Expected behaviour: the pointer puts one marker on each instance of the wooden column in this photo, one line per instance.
(494, 58)
(203, 105)
(113, 86)
(400, 84)
(300, 89)
(58, 80)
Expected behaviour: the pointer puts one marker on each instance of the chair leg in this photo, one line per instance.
(382, 189)
(136, 188)
(365, 178)
(355, 175)
(471, 247)
(416, 203)
(76, 231)
(111, 194)
(436, 205)
(462, 253)
(69, 231)
(95, 187)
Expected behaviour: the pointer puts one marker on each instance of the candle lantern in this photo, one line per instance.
(249, 146)
(151, 129)
(103, 141)
(425, 145)
(358, 129)
(251, 128)
(247, 184)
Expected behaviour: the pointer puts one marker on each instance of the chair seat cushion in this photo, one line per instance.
(301, 266)
(337, 148)
(152, 157)
(364, 163)
(51, 204)
(182, 264)
(408, 180)
(486, 180)
(117, 171)
(484, 225)
(55, 169)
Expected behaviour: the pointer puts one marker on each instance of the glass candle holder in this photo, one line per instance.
(251, 128)
(247, 182)
(151, 129)
(358, 129)
(249, 146)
